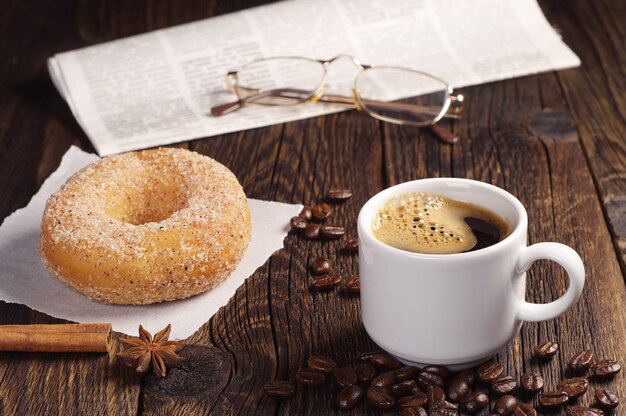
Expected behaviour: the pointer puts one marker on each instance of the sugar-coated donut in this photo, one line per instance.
(146, 227)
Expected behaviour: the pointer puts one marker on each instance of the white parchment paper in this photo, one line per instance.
(24, 279)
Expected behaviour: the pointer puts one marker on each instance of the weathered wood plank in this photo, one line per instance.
(517, 134)
(595, 95)
(36, 128)
(534, 152)
(348, 150)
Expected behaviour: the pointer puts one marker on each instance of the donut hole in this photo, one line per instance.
(153, 199)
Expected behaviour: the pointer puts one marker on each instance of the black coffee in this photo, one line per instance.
(433, 224)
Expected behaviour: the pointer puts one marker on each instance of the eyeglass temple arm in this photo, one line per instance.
(386, 105)
(223, 109)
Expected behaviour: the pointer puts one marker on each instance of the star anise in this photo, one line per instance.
(145, 352)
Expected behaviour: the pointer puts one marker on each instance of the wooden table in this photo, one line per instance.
(555, 140)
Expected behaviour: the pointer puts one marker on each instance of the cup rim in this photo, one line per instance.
(364, 220)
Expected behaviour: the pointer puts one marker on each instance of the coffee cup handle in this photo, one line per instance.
(573, 265)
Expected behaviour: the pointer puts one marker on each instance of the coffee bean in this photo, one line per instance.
(404, 388)
(279, 389)
(443, 408)
(406, 372)
(384, 380)
(606, 399)
(326, 282)
(322, 364)
(419, 399)
(581, 361)
(525, 409)
(583, 411)
(442, 372)
(474, 402)
(458, 388)
(428, 380)
(553, 398)
(367, 356)
(345, 376)
(606, 368)
(443, 404)
(306, 213)
(435, 394)
(574, 387)
(413, 411)
(349, 396)
(503, 384)
(443, 412)
(331, 232)
(310, 378)
(351, 245)
(546, 350)
(312, 231)
(505, 405)
(321, 265)
(338, 194)
(322, 211)
(531, 382)
(468, 375)
(298, 224)
(414, 390)
(385, 361)
(353, 284)
(489, 371)
(379, 398)
(365, 372)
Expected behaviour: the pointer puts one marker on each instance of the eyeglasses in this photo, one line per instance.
(392, 94)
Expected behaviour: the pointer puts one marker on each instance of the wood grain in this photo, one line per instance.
(595, 95)
(554, 140)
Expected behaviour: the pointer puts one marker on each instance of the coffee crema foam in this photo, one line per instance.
(430, 224)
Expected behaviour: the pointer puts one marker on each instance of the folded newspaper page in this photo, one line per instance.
(158, 88)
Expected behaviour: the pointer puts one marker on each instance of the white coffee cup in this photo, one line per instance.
(456, 310)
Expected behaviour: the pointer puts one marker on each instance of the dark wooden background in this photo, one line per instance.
(555, 140)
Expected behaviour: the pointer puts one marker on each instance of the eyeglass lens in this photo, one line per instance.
(399, 94)
(288, 80)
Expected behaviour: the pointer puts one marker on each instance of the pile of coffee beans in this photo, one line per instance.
(570, 388)
(383, 382)
(311, 222)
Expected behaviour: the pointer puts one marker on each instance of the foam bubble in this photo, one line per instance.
(424, 223)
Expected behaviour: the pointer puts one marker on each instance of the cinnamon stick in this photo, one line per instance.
(56, 338)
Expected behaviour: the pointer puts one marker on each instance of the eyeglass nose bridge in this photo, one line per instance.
(351, 58)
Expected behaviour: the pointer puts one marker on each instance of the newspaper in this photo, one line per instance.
(158, 88)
